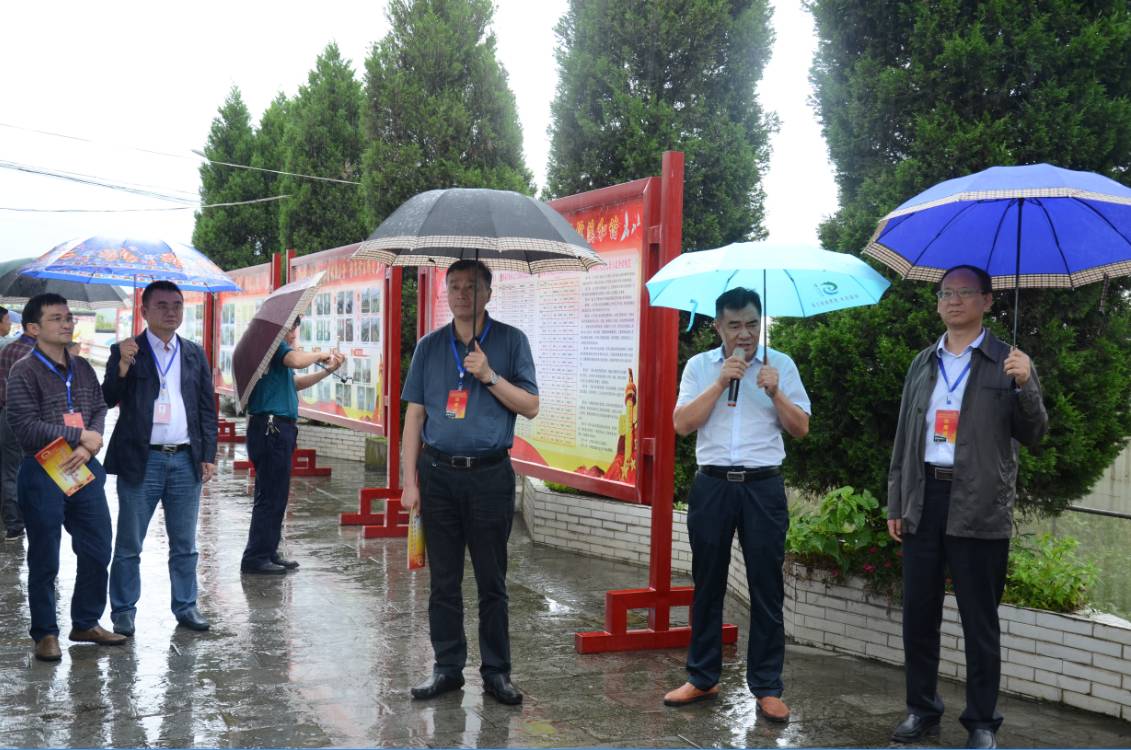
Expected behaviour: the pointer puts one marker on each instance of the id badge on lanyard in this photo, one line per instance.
(456, 407)
(71, 418)
(946, 420)
(163, 406)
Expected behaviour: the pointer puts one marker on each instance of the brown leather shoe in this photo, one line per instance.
(98, 635)
(47, 648)
(773, 708)
(686, 694)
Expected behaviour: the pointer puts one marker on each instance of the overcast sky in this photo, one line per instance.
(124, 76)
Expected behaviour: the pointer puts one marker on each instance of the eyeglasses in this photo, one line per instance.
(964, 293)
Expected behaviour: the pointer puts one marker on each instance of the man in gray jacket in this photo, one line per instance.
(968, 400)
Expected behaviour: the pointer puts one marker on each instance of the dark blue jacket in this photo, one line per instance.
(128, 452)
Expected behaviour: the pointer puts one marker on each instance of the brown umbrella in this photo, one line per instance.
(274, 319)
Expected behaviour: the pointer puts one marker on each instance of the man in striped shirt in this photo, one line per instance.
(52, 394)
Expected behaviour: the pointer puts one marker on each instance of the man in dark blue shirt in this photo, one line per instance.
(467, 383)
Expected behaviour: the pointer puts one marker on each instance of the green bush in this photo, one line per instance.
(1045, 573)
(847, 535)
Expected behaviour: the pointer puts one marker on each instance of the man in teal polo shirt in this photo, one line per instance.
(271, 435)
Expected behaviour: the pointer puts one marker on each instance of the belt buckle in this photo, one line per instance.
(462, 462)
(944, 474)
(168, 449)
(736, 476)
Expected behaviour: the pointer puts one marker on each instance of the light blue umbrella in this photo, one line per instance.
(795, 280)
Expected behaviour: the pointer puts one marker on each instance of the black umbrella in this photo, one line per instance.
(17, 290)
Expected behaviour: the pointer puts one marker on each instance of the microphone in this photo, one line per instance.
(732, 392)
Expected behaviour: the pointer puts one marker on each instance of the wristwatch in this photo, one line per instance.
(494, 379)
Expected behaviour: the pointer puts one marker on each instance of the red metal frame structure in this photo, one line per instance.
(659, 336)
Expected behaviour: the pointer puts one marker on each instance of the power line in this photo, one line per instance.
(140, 210)
(274, 171)
(85, 179)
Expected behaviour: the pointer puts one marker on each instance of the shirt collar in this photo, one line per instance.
(940, 347)
(716, 354)
(156, 344)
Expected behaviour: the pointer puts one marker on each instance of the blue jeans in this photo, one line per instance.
(86, 517)
(170, 480)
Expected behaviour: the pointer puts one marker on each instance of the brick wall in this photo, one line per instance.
(1081, 661)
(333, 442)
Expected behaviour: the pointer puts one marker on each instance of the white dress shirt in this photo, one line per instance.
(942, 453)
(749, 433)
(176, 431)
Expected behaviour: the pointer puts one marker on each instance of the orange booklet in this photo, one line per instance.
(51, 459)
(416, 558)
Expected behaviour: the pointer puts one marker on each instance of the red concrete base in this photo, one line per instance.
(226, 432)
(392, 522)
(303, 464)
(617, 636)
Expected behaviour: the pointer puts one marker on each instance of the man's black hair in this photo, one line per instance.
(160, 286)
(984, 280)
(473, 265)
(3, 312)
(736, 299)
(33, 310)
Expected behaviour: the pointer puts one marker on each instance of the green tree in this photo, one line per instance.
(639, 77)
(323, 138)
(911, 93)
(270, 154)
(226, 234)
(439, 112)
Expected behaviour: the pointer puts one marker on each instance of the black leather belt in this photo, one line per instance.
(941, 473)
(740, 473)
(464, 462)
(273, 418)
(170, 448)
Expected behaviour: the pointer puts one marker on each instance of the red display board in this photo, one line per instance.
(236, 310)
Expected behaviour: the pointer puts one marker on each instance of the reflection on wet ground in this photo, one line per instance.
(325, 656)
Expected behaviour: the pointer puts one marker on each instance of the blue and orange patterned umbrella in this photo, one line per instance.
(130, 262)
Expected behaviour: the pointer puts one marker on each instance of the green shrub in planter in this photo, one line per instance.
(1044, 573)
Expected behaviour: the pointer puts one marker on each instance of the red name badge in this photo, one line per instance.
(73, 419)
(946, 425)
(457, 404)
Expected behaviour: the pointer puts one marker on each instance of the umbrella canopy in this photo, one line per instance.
(272, 321)
(796, 281)
(1029, 226)
(130, 262)
(508, 231)
(17, 289)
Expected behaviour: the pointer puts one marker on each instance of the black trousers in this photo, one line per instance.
(270, 453)
(977, 569)
(470, 509)
(758, 511)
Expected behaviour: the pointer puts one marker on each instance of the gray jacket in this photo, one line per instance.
(995, 415)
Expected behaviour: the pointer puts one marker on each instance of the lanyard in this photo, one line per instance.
(950, 388)
(455, 352)
(168, 365)
(66, 380)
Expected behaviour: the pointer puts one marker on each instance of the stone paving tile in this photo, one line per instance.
(325, 657)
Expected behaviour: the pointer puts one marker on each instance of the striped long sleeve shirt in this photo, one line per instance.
(37, 401)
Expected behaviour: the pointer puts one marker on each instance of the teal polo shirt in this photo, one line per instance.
(488, 426)
(275, 392)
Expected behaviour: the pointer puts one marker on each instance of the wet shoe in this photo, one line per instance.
(123, 623)
(97, 634)
(773, 708)
(686, 694)
(288, 564)
(192, 619)
(263, 569)
(47, 648)
(437, 684)
(499, 686)
(915, 728)
(984, 738)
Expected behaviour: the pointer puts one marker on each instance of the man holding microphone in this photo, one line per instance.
(739, 398)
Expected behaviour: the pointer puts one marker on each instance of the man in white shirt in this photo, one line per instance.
(162, 449)
(739, 486)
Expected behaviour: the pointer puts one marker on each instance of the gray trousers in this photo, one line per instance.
(11, 454)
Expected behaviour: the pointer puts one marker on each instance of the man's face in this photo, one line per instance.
(5, 325)
(165, 310)
(463, 296)
(56, 325)
(291, 337)
(961, 301)
(739, 328)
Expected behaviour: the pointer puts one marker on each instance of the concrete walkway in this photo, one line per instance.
(325, 656)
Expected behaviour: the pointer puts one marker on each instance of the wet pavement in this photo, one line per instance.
(325, 656)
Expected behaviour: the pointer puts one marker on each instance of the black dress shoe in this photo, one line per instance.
(982, 738)
(264, 569)
(288, 564)
(192, 619)
(499, 686)
(437, 684)
(915, 728)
